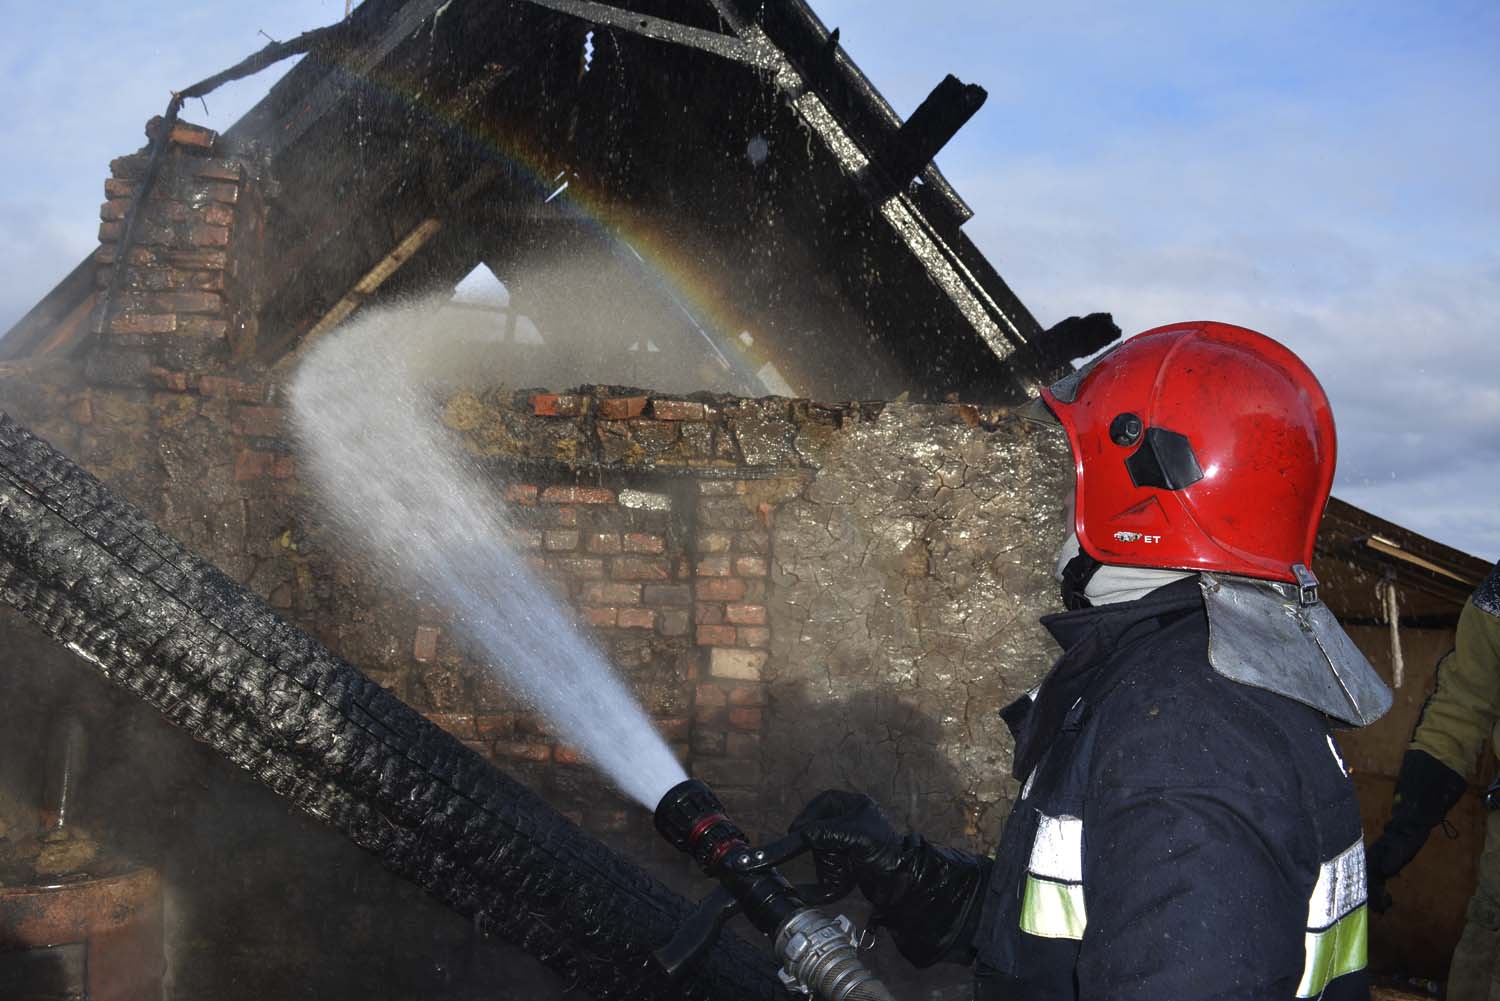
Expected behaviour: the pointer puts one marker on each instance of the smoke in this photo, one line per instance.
(365, 411)
(597, 313)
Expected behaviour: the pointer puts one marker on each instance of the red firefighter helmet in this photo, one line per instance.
(1198, 446)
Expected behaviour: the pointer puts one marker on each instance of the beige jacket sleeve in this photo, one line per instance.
(1465, 706)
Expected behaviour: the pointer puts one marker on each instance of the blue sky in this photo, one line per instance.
(1327, 172)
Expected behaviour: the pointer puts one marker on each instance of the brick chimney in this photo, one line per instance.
(182, 307)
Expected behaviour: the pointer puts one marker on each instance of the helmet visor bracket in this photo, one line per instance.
(1036, 411)
(1066, 389)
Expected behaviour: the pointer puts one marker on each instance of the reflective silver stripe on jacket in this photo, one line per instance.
(1053, 904)
(1337, 922)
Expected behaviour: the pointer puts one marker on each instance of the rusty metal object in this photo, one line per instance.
(99, 939)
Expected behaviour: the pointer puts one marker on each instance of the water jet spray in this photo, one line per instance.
(366, 406)
(367, 416)
(819, 953)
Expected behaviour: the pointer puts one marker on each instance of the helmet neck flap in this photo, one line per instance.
(1281, 638)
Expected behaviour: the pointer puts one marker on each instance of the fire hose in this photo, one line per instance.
(819, 953)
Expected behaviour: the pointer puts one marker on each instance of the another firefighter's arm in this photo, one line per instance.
(1465, 703)
(1460, 713)
(926, 895)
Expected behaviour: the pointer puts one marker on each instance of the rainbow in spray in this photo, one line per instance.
(692, 285)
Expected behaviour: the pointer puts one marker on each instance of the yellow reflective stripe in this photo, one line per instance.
(1053, 910)
(1334, 951)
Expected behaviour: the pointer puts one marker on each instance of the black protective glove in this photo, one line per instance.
(1426, 790)
(928, 896)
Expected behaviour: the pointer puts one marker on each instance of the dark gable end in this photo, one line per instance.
(732, 148)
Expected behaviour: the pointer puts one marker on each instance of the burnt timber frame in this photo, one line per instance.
(874, 257)
(1356, 550)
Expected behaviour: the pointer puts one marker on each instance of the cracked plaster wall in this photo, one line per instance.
(906, 583)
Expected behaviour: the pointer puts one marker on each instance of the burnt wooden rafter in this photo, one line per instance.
(1357, 550)
(276, 132)
(869, 118)
(376, 179)
(874, 213)
(1003, 326)
(935, 121)
(329, 245)
(905, 148)
(307, 124)
(365, 288)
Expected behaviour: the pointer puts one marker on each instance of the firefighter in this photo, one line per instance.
(1185, 827)
(1463, 709)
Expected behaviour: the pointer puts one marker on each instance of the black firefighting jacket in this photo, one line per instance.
(1178, 836)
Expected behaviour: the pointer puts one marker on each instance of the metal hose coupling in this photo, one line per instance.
(822, 959)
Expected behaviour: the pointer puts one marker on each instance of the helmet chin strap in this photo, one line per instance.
(1075, 580)
(1075, 568)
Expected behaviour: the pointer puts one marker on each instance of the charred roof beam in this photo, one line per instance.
(1000, 330)
(907, 153)
(951, 104)
(937, 119)
(276, 132)
(804, 40)
(760, 55)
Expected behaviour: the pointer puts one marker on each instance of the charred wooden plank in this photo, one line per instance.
(663, 30)
(275, 127)
(937, 119)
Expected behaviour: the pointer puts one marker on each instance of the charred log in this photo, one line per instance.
(104, 581)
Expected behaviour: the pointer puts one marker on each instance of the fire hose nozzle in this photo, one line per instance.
(820, 953)
(691, 817)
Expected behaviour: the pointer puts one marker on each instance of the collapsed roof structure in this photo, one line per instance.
(727, 154)
(722, 164)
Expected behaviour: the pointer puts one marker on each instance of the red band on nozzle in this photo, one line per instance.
(703, 824)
